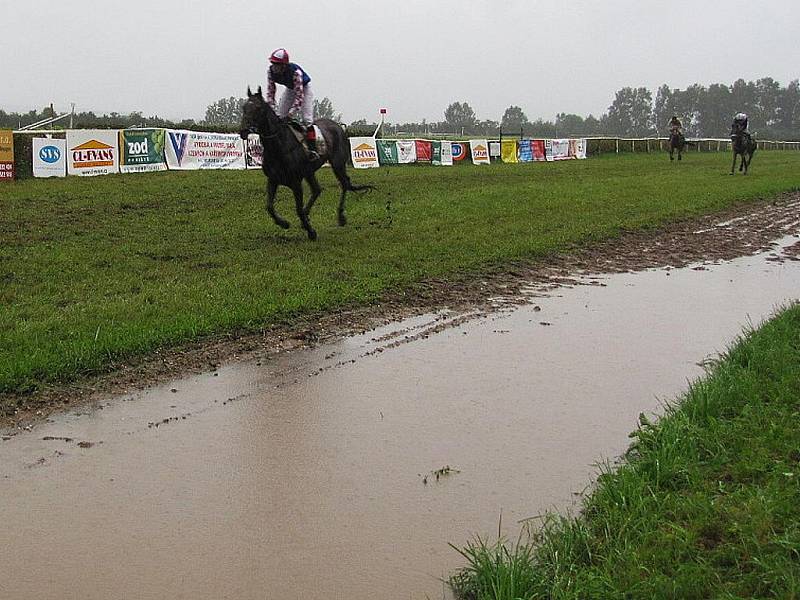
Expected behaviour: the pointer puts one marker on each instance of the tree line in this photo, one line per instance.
(705, 111)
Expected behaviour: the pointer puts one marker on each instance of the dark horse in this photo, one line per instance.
(285, 161)
(743, 145)
(676, 142)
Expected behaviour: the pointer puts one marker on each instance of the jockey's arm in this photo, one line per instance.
(299, 91)
(270, 89)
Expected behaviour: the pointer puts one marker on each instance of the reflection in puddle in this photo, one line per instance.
(344, 471)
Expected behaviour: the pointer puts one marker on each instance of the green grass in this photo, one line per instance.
(98, 269)
(706, 505)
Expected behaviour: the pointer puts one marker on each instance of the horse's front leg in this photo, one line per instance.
(297, 190)
(272, 190)
(316, 190)
(671, 153)
(733, 165)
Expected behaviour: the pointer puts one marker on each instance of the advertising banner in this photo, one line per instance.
(494, 150)
(442, 153)
(254, 153)
(192, 150)
(49, 157)
(508, 151)
(387, 152)
(577, 148)
(447, 153)
(142, 150)
(560, 150)
(538, 150)
(92, 152)
(525, 151)
(406, 151)
(460, 150)
(364, 152)
(6, 155)
(480, 152)
(423, 149)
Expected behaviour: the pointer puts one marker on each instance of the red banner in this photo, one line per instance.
(423, 150)
(538, 150)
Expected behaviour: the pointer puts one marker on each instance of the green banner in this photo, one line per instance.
(436, 153)
(142, 150)
(387, 152)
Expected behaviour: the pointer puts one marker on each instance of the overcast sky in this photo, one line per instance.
(173, 58)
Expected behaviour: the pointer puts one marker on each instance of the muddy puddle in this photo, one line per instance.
(343, 471)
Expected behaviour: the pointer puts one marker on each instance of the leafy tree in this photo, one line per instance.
(630, 113)
(460, 115)
(568, 124)
(323, 109)
(225, 111)
(513, 119)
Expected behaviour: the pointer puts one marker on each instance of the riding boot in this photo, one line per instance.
(311, 143)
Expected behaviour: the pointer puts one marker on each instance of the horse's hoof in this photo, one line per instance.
(312, 235)
(342, 220)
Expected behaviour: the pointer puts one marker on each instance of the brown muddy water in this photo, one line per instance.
(313, 475)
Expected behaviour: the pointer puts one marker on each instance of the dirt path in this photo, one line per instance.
(745, 229)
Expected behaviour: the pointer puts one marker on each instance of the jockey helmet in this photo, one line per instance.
(280, 56)
(740, 117)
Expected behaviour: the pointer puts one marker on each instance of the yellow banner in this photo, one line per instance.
(6, 154)
(508, 151)
(6, 145)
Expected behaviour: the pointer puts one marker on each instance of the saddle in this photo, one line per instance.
(299, 132)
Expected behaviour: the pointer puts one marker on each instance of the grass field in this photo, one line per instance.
(707, 504)
(98, 269)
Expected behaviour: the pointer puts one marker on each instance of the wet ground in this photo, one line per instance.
(344, 469)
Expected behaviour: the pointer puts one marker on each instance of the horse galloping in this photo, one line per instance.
(676, 142)
(285, 161)
(743, 145)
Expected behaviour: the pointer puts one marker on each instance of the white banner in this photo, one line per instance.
(406, 151)
(560, 150)
(447, 153)
(92, 151)
(254, 155)
(494, 149)
(577, 148)
(480, 152)
(49, 157)
(192, 150)
(364, 152)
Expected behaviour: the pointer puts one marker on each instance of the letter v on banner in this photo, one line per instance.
(178, 141)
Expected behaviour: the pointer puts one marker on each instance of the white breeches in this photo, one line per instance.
(306, 109)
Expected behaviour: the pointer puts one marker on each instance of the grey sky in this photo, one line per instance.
(175, 57)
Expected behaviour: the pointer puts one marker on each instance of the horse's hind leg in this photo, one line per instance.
(297, 190)
(272, 190)
(344, 181)
(316, 190)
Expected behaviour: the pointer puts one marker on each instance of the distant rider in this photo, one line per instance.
(298, 99)
(675, 126)
(739, 124)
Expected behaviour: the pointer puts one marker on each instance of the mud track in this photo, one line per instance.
(745, 229)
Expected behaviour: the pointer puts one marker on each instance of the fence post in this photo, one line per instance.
(617, 144)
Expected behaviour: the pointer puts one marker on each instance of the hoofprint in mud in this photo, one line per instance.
(742, 230)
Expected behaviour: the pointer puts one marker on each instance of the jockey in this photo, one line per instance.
(298, 99)
(739, 123)
(675, 125)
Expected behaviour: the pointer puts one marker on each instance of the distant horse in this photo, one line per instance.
(676, 142)
(286, 162)
(743, 145)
